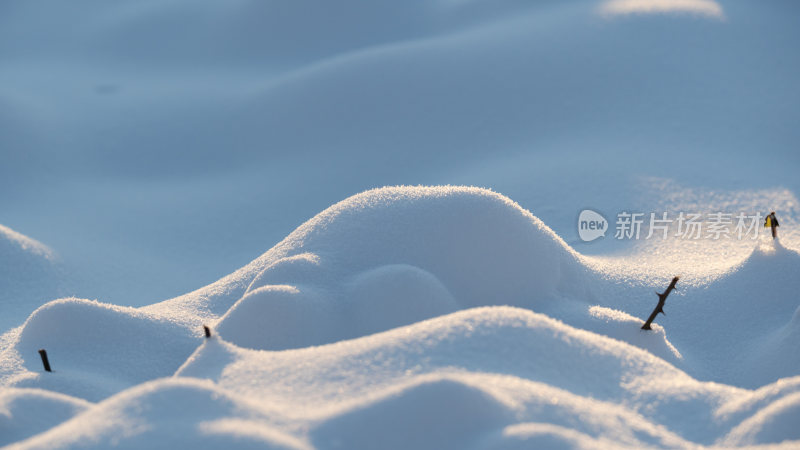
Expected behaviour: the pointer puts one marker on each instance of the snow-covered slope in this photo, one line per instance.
(426, 317)
(30, 274)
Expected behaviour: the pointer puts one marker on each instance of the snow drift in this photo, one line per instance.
(389, 306)
(98, 349)
(394, 256)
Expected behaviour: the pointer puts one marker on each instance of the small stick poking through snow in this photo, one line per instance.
(662, 298)
(772, 222)
(45, 362)
(207, 331)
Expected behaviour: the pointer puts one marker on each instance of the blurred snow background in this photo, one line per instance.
(186, 137)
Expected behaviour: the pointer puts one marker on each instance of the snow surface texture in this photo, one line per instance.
(414, 317)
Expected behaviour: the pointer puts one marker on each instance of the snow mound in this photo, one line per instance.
(393, 256)
(280, 317)
(29, 275)
(18, 246)
(419, 311)
(749, 309)
(389, 257)
(775, 423)
(479, 244)
(395, 295)
(439, 383)
(290, 270)
(26, 412)
(523, 366)
(501, 340)
(475, 411)
(545, 435)
(623, 326)
(97, 349)
(428, 415)
(174, 413)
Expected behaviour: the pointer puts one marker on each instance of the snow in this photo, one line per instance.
(708, 8)
(30, 273)
(154, 413)
(149, 137)
(27, 412)
(410, 317)
(151, 152)
(110, 347)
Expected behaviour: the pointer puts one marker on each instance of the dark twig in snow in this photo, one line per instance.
(662, 298)
(45, 362)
